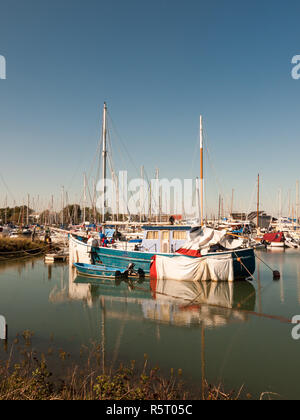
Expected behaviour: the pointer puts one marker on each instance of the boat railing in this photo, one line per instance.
(150, 248)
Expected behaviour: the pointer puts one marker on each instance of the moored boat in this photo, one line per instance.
(165, 241)
(206, 243)
(98, 271)
(274, 240)
(103, 271)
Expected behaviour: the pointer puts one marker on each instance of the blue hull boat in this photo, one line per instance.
(99, 271)
(121, 259)
(243, 260)
(117, 259)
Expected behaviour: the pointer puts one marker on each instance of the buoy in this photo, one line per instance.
(276, 274)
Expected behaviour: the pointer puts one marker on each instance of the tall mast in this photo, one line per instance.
(94, 201)
(257, 201)
(157, 193)
(52, 210)
(116, 183)
(84, 196)
(222, 208)
(104, 154)
(280, 206)
(142, 194)
(68, 209)
(113, 193)
(231, 208)
(27, 217)
(201, 169)
(297, 202)
(5, 217)
(198, 197)
(62, 204)
(150, 203)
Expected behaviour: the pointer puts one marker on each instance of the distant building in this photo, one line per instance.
(264, 220)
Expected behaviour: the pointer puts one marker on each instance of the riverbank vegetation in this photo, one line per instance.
(18, 244)
(15, 248)
(26, 375)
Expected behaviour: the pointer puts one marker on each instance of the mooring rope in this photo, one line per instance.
(239, 259)
(265, 263)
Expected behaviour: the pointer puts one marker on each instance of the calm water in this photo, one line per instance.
(241, 345)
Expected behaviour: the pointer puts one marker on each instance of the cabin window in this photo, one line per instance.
(179, 234)
(152, 234)
(165, 235)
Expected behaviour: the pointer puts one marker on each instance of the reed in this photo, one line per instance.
(11, 245)
(25, 375)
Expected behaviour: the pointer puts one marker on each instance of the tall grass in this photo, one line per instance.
(25, 375)
(18, 244)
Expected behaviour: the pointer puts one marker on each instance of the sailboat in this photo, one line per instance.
(197, 243)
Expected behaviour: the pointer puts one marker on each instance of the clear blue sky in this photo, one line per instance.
(159, 64)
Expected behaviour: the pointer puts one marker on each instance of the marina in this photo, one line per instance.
(149, 202)
(218, 285)
(159, 281)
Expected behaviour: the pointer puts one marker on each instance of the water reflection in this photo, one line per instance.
(130, 319)
(19, 265)
(177, 303)
(188, 303)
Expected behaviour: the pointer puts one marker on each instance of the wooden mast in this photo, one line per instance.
(198, 198)
(84, 198)
(142, 194)
(158, 197)
(297, 202)
(201, 169)
(27, 215)
(232, 196)
(257, 201)
(5, 214)
(104, 154)
(62, 205)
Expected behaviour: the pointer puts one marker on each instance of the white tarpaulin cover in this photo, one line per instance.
(215, 268)
(203, 238)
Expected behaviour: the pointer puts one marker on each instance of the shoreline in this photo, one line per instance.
(18, 248)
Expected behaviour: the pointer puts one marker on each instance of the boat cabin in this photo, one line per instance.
(164, 239)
